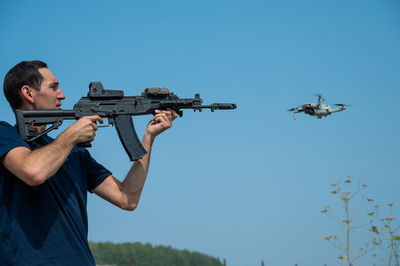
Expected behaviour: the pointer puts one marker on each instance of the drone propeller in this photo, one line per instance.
(320, 96)
(341, 104)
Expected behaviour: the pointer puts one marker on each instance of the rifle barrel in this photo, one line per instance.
(220, 106)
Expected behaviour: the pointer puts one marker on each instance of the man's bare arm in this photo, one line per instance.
(35, 167)
(126, 194)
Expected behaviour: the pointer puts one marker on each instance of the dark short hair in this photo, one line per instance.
(24, 73)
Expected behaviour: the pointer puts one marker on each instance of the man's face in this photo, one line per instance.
(50, 95)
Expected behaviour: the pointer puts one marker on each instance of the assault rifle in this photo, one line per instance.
(117, 108)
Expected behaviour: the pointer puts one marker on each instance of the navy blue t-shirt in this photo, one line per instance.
(46, 224)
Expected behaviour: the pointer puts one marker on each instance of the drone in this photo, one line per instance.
(318, 109)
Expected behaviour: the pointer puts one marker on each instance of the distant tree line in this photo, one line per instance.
(137, 254)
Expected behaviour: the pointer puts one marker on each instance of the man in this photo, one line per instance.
(44, 183)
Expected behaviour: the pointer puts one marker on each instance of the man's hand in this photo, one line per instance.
(84, 129)
(161, 121)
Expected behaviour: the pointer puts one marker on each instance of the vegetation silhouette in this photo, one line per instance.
(351, 195)
(387, 228)
(125, 254)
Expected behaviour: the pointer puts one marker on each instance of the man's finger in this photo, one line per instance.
(95, 118)
(170, 113)
(173, 113)
(94, 126)
(164, 121)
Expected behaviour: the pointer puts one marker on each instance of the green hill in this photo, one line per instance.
(122, 254)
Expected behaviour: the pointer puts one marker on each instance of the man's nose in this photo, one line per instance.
(60, 95)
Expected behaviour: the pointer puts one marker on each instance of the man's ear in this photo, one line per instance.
(28, 94)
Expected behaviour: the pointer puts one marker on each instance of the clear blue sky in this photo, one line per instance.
(246, 185)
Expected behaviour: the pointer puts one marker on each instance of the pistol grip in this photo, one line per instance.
(85, 145)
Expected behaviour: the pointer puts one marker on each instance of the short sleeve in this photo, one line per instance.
(9, 138)
(96, 173)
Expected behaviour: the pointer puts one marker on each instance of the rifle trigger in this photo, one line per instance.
(110, 122)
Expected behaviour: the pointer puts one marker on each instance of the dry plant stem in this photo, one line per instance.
(389, 234)
(365, 252)
(348, 224)
(392, 244)
(346, 206)
(393, 249)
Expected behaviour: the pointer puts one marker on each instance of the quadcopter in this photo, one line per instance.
(317, 109)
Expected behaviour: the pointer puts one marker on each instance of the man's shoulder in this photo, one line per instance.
(5, 124)
(9, 137)
(6, 128)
